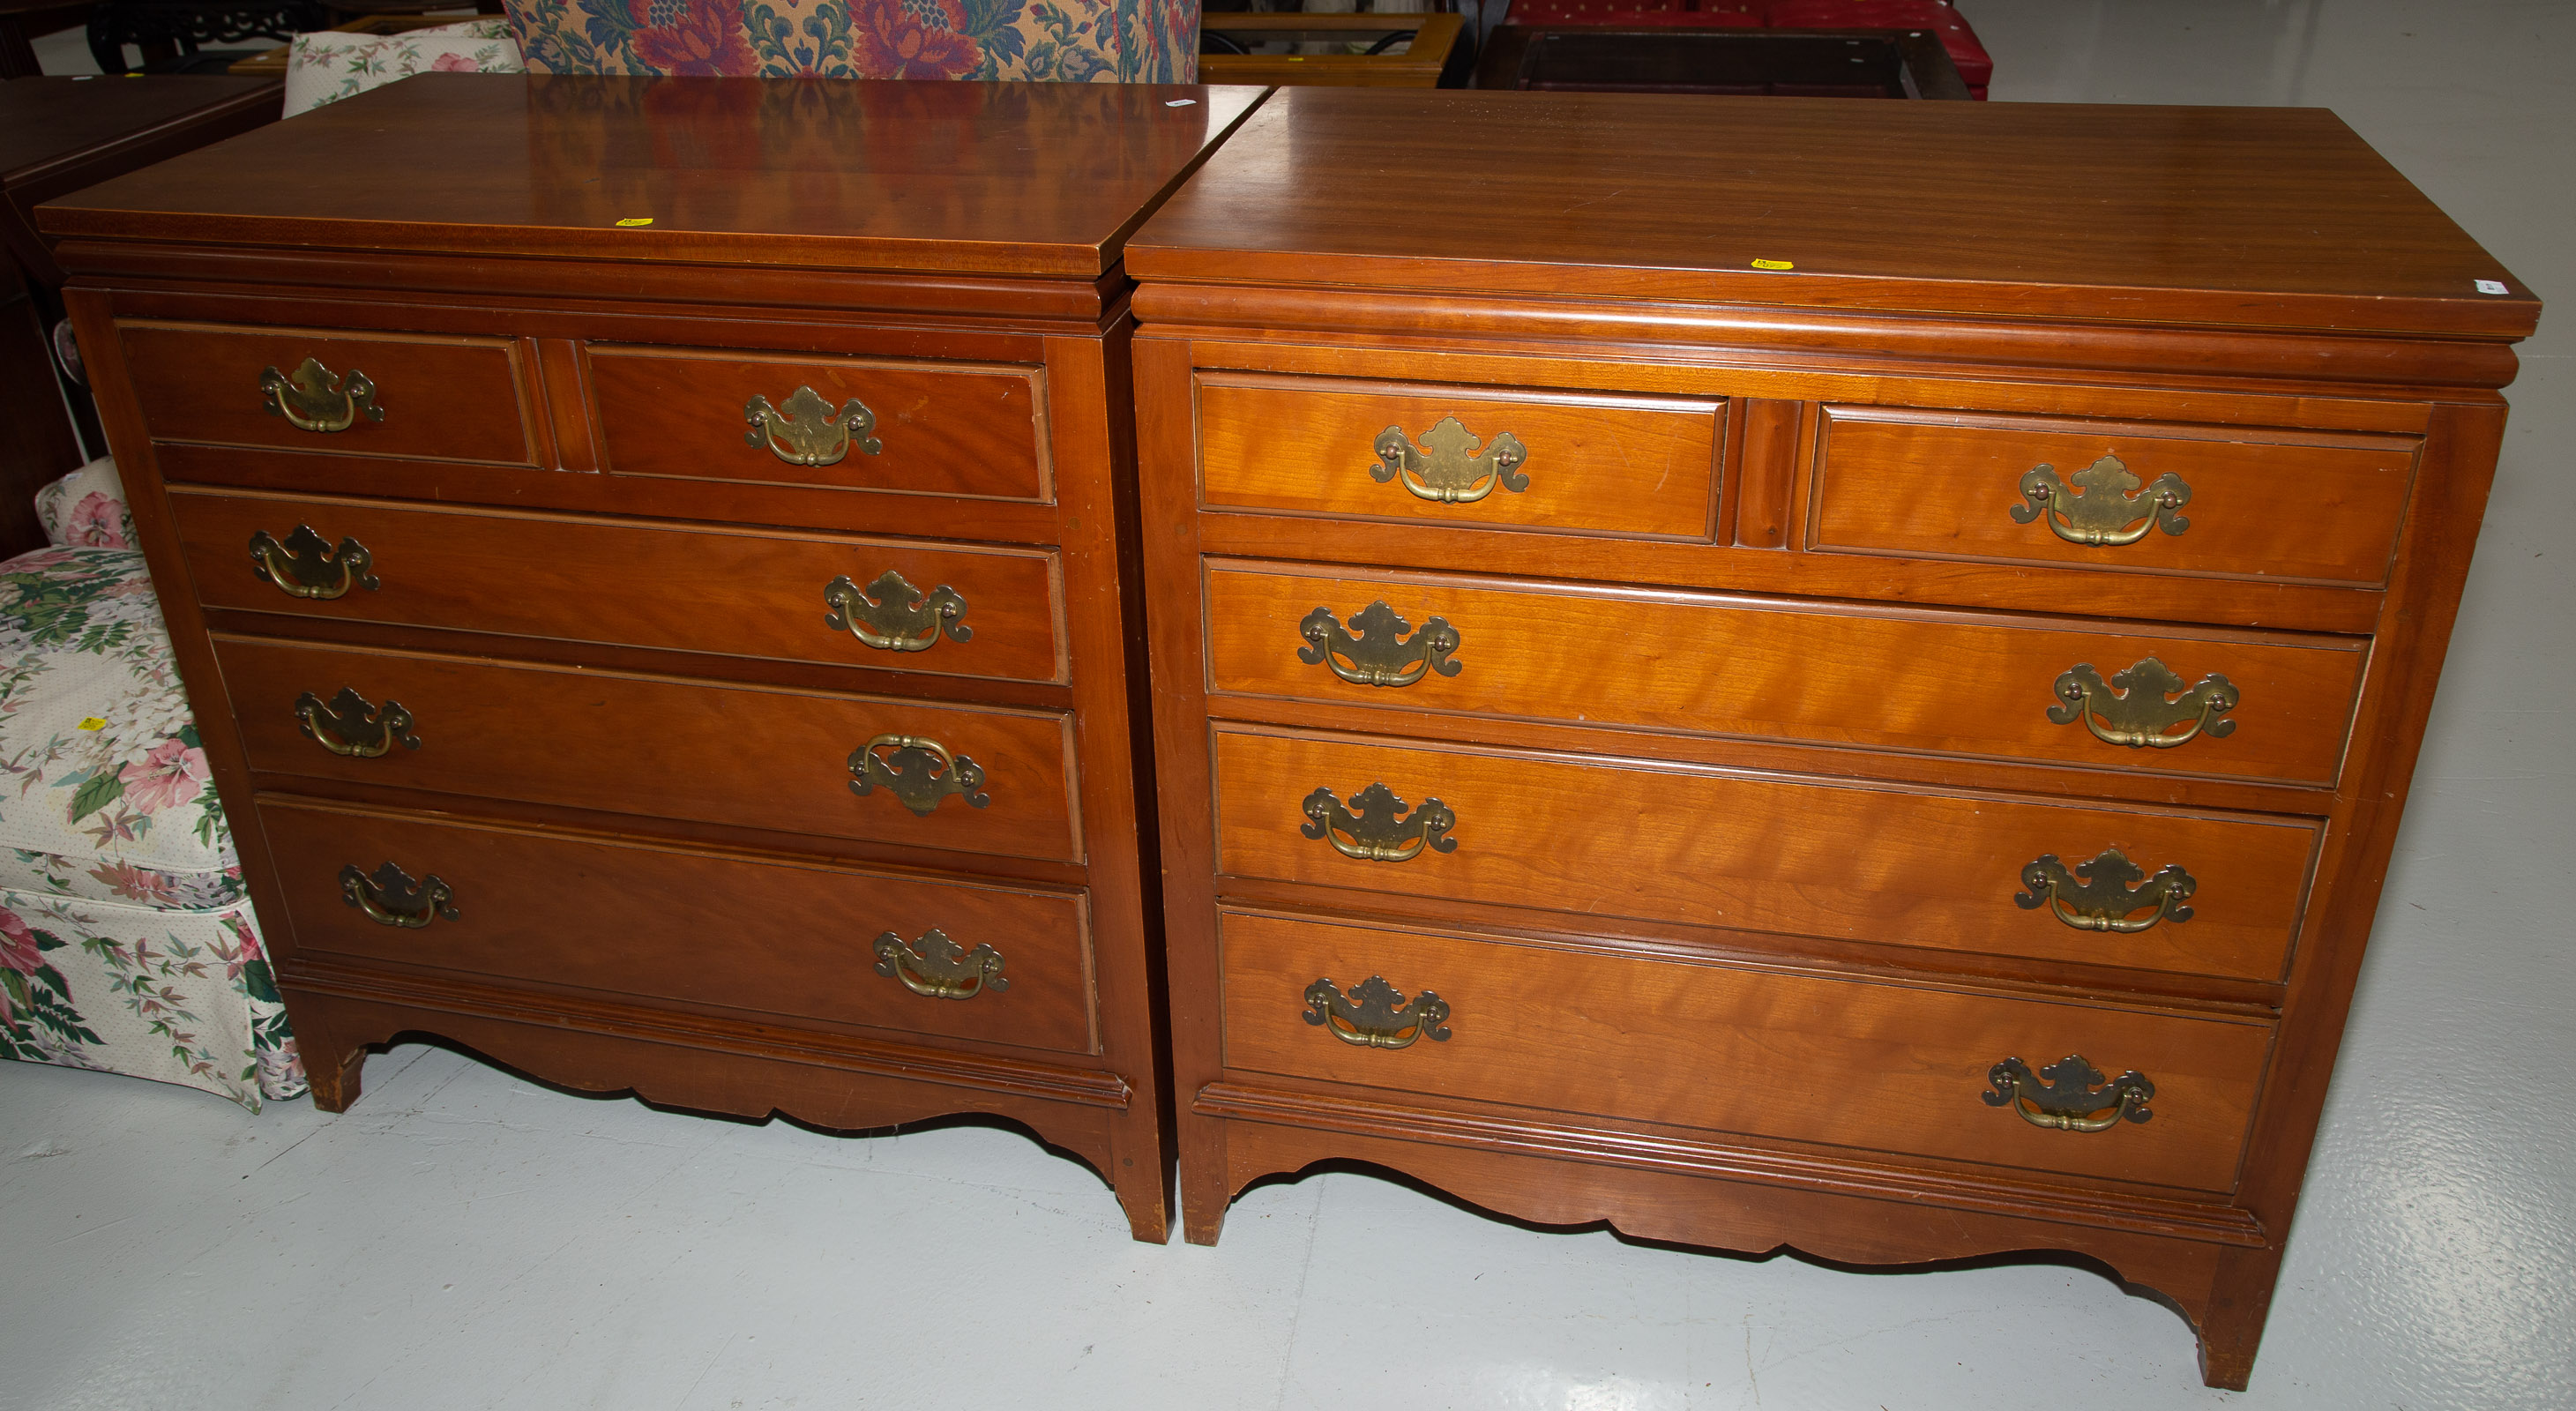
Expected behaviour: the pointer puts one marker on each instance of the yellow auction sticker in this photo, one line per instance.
(93, 723)
(636, 220)
(1773, 264)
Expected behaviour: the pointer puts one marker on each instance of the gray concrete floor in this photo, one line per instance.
(466, 1239)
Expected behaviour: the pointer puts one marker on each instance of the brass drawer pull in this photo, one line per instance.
(940, 969)
(349, 726)
(1448, 468)
(2107, 893)
(306, 566)
(894, 616)
(1375, 1014)
(2099, 511)
(1380, 831)
(2069, 1095)
(807, 433)
(392, 898)
(312, 399)
(1378, 655)
(917, 771)
(2138, 706)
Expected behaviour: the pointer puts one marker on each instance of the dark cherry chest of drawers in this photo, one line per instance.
(646, 557)
(1785, 672)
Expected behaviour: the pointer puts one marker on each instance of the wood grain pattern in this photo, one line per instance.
(1849, 1063)
(2263, 505)
(1621, 465)
(1008, 178)
(768, 940)
(695, 588)
(453, 398)
(1951, 684)
(952, 430)
(772, 759)
(2143, 215)
(1599, 838)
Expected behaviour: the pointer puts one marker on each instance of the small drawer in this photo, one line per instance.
(2193, 893)
(1864, 1065)
(1562, 462)
(778, 760)
(2232, 502)
(917, 428)
(1953, 683)
(299, 389)
(812, 941)
(946, 609)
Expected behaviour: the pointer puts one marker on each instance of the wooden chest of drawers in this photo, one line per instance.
(1697, 665)
(647, 560)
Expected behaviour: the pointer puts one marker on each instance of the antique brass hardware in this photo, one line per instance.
(350, 726)
(2140, 704)
(2107, 893)
(892, 615)
(2099, 511)
(940, 968)
(306, 566)
(1376, 1015)
(2069, 1095)
(1379, 831)
(1448, 468)
(1378, 655)
(917, 771)
(312, 399)
(392, 898)
(806, 432)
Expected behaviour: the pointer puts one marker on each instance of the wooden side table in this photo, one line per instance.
(57, 136)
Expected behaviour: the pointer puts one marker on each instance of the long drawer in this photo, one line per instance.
(1559, 462)
(946, 609)
(1844, 1062)
(2126, 496)
(811, 941)
(366, 394)
(1947, 871)
(774, 759)
(921, 428)
(1978, 684)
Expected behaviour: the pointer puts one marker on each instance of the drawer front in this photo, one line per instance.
(1844, 1062)
(952, 609)
(1944, 871)
(777, 760)
(369, 395)
(772, 939)
(1573, 463)
(2227, 501)
(939, 428)
(1942, 683)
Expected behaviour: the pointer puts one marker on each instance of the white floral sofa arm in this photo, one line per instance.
(127, 944)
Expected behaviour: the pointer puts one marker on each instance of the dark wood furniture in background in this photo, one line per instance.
(645, 556)
(1788, 63)
(1233, 48)
(1682, 700)
(58, 135)
(23, 21)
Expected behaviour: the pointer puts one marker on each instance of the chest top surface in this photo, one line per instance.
(2266, 217)
(985, 178)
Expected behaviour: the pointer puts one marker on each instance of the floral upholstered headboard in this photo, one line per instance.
(1074, 41)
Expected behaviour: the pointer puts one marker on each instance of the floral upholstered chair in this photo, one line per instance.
(1075, 41)
(126, 941)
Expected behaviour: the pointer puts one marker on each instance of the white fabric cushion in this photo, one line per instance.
(86, 509)
(329, 65)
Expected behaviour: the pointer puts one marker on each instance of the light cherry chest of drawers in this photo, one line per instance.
(1779, 672)
(646, 557)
